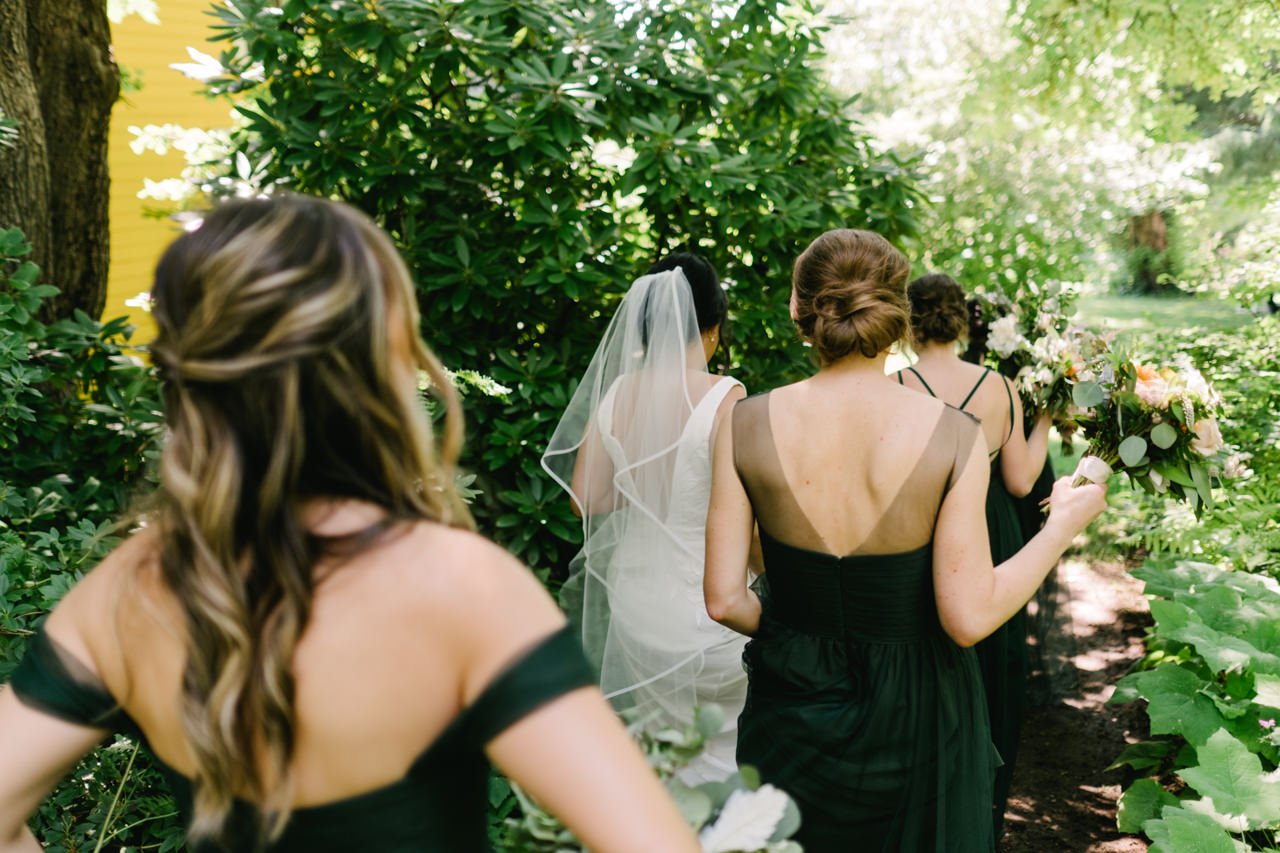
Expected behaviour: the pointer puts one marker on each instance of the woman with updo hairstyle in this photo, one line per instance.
(303, 629)
(864, 700)
(939, 322)
(633, 452)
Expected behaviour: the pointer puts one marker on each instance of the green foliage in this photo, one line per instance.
(531, 159)
(1211, 681)
(1224, 46)
(81, 425)
(81, 422)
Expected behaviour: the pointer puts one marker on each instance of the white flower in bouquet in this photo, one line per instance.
(747, 821)
(1049, 348)
(1208, 440)
(1004, 338)
(1199, 387)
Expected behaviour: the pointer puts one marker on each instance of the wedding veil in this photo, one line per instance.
(621, 454)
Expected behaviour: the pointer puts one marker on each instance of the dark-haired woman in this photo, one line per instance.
(939, 321)
(306, 632)
(864, 702)
(633, 450)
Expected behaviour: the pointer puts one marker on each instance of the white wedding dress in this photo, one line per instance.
(632, 450)
(663, 654)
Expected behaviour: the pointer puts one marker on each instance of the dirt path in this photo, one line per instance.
(1062, 799)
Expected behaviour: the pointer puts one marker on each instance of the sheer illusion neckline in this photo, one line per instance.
(799, 521)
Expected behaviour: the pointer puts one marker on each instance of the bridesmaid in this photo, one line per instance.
(939, 320)
(306, 633)
(864, 701)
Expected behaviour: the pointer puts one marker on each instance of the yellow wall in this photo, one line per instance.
(166, 97)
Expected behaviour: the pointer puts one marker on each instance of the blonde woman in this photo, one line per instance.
(306, 633)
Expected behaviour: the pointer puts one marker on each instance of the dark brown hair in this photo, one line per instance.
(938, 310)
(850, 294)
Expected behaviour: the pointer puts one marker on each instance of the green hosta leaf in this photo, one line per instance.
(1133, 450)
(1164, 436)
(1180, 831)
(1144, 755)
(1141, 803)
(1175, 704)
(1232, 776)
(1227, 650)
(1268, 690)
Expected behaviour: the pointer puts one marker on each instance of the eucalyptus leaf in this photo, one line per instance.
(1086, 395)
(1163, 436)
(1132, 450)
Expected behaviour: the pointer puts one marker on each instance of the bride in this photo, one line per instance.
(633, 452)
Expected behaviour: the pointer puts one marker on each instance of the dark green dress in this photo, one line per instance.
(858, 704)
(440, 805)
(1003, 656)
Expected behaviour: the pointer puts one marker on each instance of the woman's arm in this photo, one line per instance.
(730, 530)
(575, 757)
(973, 597)
(572, 754)
(36, 751)
(1023, 456)
(592, 474)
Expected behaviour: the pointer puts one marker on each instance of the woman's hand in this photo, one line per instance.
(1072, 508)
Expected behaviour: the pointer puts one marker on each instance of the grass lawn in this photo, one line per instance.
(1140, 316)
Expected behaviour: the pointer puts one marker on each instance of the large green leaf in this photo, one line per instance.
(1180, 831)
(1230, 775)
(1175, 704)
(1268, 690)
(1141, 803)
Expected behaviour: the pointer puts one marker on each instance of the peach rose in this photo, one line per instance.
(1151, 387)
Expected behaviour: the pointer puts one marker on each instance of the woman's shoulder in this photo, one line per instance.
(442, 560)
(457, 576)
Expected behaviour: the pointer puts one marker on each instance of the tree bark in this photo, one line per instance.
(59, 80)
(1148, 242)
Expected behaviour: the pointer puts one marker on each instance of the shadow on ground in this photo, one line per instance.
(1063, 799)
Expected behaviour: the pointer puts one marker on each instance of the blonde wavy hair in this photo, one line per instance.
(278, 324)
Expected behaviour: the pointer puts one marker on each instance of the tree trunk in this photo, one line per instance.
(1148, 243)
(59, 80)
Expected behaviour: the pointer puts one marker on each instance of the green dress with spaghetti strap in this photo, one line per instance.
(439, 806)
(858, 703)
(1003, 656)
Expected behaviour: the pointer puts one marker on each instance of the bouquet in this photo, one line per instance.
(1058, 361)
(738, 815)
(1029, 339)
(1157, 423)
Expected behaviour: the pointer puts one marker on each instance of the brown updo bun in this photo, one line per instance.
(938, 309)
(850, 294)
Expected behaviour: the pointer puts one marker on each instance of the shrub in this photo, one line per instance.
(81, 425)
(532, 158)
